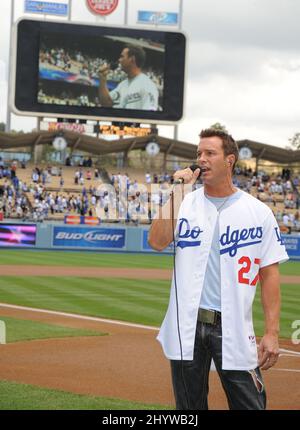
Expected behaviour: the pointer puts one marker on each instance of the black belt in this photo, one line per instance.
(209, 316)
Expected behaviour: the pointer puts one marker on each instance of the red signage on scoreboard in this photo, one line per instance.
(78, 219)
(102, 7)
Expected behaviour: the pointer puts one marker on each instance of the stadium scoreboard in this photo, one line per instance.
(56, 71)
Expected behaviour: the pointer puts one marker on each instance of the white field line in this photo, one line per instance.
(82, 317)
(289, 351)
(286, 370)
(289, 355)
(107, 321)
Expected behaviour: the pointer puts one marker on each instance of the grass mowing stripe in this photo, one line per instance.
(20, 330)
(92, 259)
(115, 301)
(290, 292)
(91, 289)
(294, 301)
(289, 268)
(15, 396)
(130, 305)
(54, 289)
(120, 299)
(31, 290)
(290, 308)
(86, 259)
(85, 298)
(67, 297)
(128, 287)
(289, 313)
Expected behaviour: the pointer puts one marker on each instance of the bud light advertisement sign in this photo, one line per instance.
(76, 237)
(292, 246)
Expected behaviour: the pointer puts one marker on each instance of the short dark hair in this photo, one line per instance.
(228, 143)
(138, 53)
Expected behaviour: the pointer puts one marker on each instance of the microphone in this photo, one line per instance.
(193, 167)
(114, 65)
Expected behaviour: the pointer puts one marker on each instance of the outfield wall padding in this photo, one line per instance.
(109, 237)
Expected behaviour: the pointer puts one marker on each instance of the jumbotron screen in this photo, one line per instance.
(69, 71)
(17, 235)
(90, 72)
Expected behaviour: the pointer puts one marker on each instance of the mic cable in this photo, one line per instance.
(193, 167)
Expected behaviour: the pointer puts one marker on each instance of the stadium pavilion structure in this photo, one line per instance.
(99, 146)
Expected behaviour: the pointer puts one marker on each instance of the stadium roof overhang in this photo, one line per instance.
(168, 146)
(94, 145)
(271, 153)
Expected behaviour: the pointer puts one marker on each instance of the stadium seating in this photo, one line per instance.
(128, 199)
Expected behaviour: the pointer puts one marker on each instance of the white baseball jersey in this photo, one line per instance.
(137, 93)
(249, 240)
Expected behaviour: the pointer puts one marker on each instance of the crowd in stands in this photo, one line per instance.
(77, 63)
(125, 198)
(280, 192)
(35, 201)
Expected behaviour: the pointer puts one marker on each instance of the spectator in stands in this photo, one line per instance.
(93, 201)
(148, 178)
(297, 203)
(81, 179)
(286, 173)
(288, 185)
(35, 176)
(13, 169)
(297, 220)
(296, 181)
(285, 219)
(106, 211)
(76, 177)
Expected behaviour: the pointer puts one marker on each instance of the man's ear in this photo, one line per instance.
(231, 160)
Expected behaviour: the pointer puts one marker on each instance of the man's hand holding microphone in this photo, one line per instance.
(187, 176)
(162, 230)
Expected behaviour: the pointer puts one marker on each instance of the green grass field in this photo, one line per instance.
(27, 397)
(85, 259)
(20, 330)
(138, 301)
(141, 301)
(96, 259)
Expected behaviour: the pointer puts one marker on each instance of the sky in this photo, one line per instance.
(242, 64)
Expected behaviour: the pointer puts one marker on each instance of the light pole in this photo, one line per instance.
(175, 136)
(8, 113)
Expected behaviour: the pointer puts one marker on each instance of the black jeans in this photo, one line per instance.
(244, 389)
